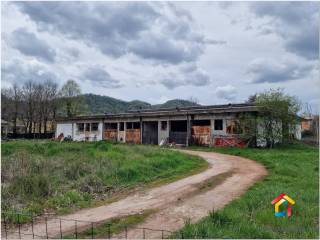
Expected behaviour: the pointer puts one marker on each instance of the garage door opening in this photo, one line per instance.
(178, 132)
(150, 133)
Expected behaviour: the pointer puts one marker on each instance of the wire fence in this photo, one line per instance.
(15, 226)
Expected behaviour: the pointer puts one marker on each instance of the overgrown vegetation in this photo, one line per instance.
(293, 169)
(277, 118)
(45, 176)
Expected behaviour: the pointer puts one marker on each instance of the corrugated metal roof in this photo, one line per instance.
(243, 107)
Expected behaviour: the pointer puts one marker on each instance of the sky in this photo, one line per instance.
(214, 52)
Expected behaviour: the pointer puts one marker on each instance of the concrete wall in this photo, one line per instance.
(71, 129)
(88, 135)
(65, 128)
(297, 131)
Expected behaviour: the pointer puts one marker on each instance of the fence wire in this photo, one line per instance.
(20, 228)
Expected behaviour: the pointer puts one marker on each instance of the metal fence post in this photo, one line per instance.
(126, 230)
(92, 230)
(19, 226)
(46, 220)
(144, 233)
(32, 226)
(75, 228)
(5, 225)
(182, 235)
(60, 228)
(109, 231)
(162, 234)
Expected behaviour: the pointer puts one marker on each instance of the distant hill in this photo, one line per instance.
(97, 104)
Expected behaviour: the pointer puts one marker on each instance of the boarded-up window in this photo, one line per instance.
(94, 126)
(218, 124)
(233, 127)
(80, 127)
(164, 125)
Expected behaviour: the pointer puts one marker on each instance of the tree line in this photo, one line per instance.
(35, 105)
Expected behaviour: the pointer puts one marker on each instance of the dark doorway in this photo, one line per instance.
(150, 133)
(178, 132)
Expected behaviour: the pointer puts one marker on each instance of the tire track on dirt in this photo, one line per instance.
(175, 202)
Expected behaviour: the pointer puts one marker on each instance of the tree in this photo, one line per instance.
(252, 98)
(29, 102)
(69, 92)
(15, 93)
(49, 102)
(278, 116)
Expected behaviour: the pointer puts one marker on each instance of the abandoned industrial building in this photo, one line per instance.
(216, 125)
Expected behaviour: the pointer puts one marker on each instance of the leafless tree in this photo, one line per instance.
(29, 99)
(50, 90)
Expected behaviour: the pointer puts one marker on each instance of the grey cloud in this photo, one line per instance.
(103, 25)
(20, 72)
(74, 52)
(188, 75)
(297, 23)
(165, 50)
(123, 28)
(100, 77)
(29, 44)
(215, 42)
(265, 70)
(227, 92)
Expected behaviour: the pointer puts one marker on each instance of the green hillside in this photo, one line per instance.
(97, 104)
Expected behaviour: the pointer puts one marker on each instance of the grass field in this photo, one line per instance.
(46, 176)
(293, 169)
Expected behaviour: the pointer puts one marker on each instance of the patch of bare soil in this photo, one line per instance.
(189, 198)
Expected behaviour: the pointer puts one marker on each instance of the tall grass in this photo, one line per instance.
(39, 176)
(293, 169)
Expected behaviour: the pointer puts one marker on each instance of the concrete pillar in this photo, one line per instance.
(212, 131)
(102, 131)
(188, 130)
(118, 136)
(141, 130)
(125, 131)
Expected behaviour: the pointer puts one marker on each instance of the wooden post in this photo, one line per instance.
(92, 230)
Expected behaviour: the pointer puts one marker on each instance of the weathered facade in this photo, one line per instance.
(204, 125)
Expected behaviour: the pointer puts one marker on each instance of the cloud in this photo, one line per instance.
(297, 23)
(20, 72)
(100, 77)
(272, 71)
(153, 31)
(106, 26)
(189, 74)
(227, 92)
(165, 50)
(29, 44)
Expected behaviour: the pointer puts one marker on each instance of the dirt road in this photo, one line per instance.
(189, 198)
